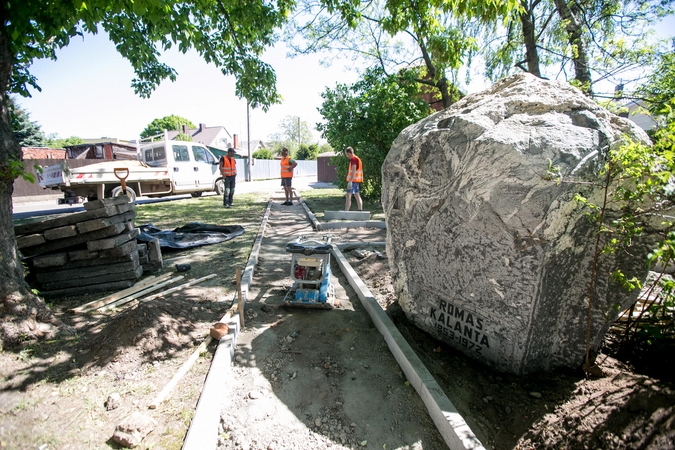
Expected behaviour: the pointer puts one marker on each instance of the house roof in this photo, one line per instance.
(204, 135)
(43, 153)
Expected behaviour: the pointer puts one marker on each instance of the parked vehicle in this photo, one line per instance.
(163, 168)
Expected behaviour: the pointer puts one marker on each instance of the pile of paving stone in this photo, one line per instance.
(87, 252)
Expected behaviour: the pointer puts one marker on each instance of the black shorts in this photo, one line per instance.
(286, 182)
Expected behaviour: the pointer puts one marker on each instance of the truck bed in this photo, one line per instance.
(104, 172)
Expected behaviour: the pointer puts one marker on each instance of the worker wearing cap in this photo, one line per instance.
(287, 166)
(354, 179)
(228, 169)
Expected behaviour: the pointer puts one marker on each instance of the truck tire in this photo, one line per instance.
(220, 187)
(196, 194)
(130, 193)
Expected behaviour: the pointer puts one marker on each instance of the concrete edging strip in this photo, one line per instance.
(203, 431)
(449, 422)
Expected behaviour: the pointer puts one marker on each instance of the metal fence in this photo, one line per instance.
(265, 169)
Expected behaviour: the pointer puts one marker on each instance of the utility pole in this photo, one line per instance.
(299, 133)
(248, 131)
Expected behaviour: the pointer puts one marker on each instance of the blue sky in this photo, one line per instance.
(87, 92)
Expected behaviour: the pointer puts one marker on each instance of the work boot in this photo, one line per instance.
(228, 205)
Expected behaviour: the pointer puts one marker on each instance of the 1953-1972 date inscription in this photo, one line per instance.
(461, 325)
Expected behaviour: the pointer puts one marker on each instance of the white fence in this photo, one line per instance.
(265, 169)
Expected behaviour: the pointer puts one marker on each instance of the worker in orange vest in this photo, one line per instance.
(287, 166)
(354, 179)
(228, 169)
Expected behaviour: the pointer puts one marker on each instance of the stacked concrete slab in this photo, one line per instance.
(88, 252)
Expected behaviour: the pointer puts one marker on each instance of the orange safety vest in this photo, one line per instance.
(286, 168)
(358, 176)
(228, 167)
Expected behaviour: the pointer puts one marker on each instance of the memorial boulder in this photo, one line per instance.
(487, 253)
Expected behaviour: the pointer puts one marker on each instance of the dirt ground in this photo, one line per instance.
(309, 379)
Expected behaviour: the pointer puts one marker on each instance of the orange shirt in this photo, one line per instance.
(358, 172)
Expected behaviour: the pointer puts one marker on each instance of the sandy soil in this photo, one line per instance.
(307, 379)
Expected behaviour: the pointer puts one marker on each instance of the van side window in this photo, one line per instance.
(200, 154)
(180, 153)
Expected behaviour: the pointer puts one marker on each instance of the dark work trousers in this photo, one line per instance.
(229, 190)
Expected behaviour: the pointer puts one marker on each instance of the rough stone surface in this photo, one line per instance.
(131, 431)
(486, 253)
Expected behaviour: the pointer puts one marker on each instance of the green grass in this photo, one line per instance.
(320, 200)
(247, 210)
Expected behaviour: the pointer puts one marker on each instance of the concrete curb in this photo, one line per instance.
(445, 416)
(203, 431)
(319, 226)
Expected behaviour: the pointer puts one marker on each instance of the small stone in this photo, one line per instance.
(113, 402)
(254, 395)
(131, 431)
(535, 394)
(317, 421)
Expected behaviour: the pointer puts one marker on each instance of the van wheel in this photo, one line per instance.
(220, 187)
(130, 193)
(196, 194)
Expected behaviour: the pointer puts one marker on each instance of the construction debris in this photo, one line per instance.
(92, 251)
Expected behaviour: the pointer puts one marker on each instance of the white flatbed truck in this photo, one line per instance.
(162, 168)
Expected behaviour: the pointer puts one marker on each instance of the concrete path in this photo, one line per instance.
(320, 349)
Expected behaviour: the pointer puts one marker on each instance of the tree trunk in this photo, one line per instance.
(530, 39)
(23, 315)
(582, 71)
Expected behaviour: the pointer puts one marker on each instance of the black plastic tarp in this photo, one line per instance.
(194, 234)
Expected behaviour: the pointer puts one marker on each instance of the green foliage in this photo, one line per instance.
(307, 152)
(27, 132)
(368, 116)
(574, 40)
(183, 137)
(659, 89)
(292, 133)
(55, 142)
(231, 35)
(14, 170)
(433, 39)
(640, 184)
(263, 153)
(169, 123)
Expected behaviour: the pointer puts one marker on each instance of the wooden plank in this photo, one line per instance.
(61, 244)
(91, 289)
(239, 303)
(93, 271)
(118, 295)
(181, 372)
(133, 297)
(107, 243)
(189, 283)
(64, 220)
(82, 282)
(187, 365)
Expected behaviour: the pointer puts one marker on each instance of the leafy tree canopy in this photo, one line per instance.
(292, 132)
(27, 132)
(227, 33)
(169, 123)
(659, 90)
(368, 116)
(263, 153)
(55, 142)
(307, 152)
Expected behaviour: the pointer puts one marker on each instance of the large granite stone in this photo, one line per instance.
(486, 253)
